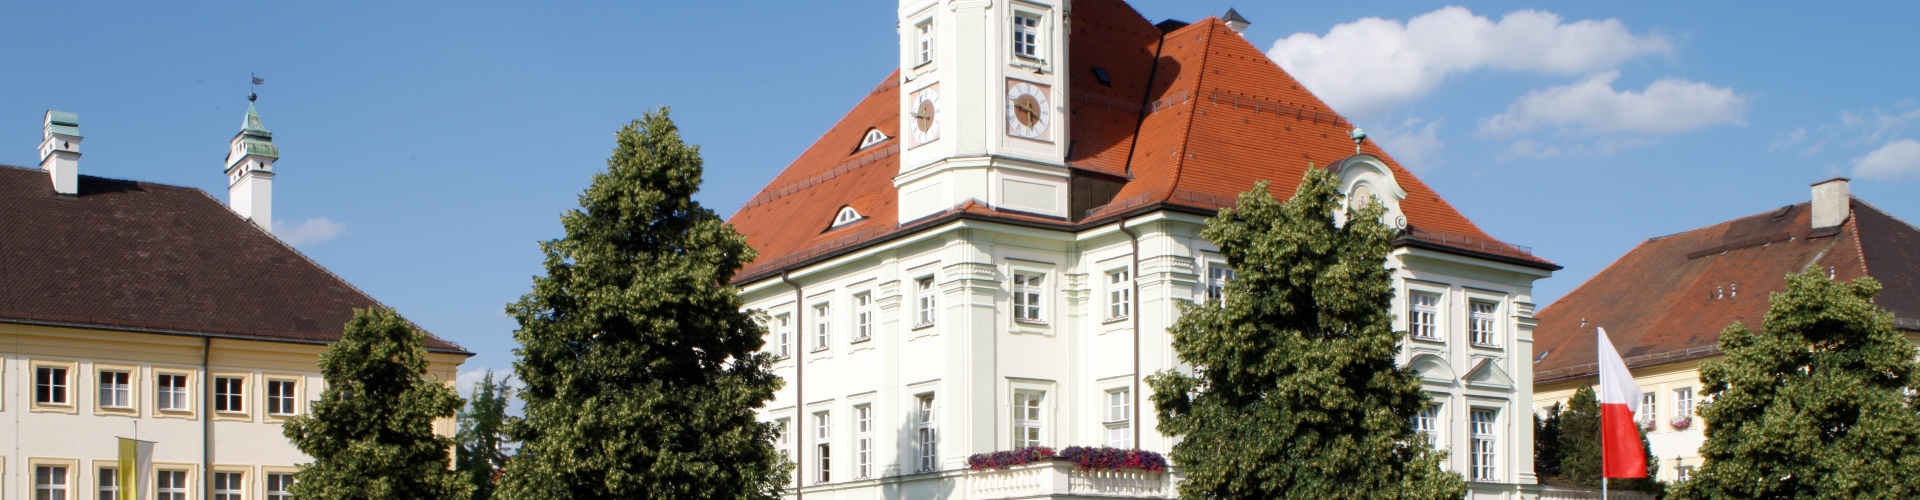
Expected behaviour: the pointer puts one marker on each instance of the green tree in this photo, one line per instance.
(1296, 393)
(641, 370)
(482, 432)
(1579, 448)
(1546, 442)
(1813, 406)
(371, 433)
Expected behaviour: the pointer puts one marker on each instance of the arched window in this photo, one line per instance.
(847, 215)
(874, 136)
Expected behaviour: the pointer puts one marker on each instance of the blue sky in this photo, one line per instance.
(428, 145)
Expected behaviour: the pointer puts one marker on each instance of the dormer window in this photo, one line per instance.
(874, 136)
(847, 216)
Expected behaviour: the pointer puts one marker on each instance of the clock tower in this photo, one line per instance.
(984, 106)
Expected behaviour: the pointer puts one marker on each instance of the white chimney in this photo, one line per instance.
(1831, 202)
(60, 151)
(1236, 22)
(250, 171)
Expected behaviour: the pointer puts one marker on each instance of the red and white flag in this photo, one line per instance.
(1619, 437)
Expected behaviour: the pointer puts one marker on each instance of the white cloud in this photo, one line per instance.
(1896, 160)
(1528, 149)
(466, 381)
(314, 230)
(1370, 65)
(1878, 123)
(1415, 143)
(1669, 105)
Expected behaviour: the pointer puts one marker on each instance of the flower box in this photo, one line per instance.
(1681, 423)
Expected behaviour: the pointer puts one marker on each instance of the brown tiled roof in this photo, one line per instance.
(145, 257)
(1669, 298)
(1190, 119)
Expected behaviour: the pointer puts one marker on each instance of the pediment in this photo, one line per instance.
(1486, 373)
(1432, 368)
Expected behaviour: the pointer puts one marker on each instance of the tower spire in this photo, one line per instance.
(249, 168)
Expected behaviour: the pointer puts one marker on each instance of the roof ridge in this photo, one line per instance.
(116, 179)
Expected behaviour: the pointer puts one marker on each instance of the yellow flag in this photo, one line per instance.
(136, 459)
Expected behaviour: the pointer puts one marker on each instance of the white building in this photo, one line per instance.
(986, 253)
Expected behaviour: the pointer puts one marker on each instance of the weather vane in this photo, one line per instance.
(256, 82)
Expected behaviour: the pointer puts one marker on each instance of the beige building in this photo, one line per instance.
(148, 311)
(1665, 303)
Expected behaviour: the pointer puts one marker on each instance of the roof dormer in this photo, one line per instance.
(874, 136)
(846, 216)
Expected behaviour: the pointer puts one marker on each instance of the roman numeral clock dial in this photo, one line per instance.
(924, 111)
(1028, 111)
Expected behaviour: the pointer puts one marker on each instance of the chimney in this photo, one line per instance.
(60, 151)
(250, 171)
(1236, 23)
(1831, 202)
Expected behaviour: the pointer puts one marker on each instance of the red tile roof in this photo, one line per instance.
(1669, 298)
(145, 257)
(1190, 119)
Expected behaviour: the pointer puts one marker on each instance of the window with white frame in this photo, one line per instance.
(848, 215)
(170, 485)
(279, 486)
(1480, 323)
(50, 385)
(862, 316)
(229, 486)
(1683, 472)
(1649, 402)
(1026, 35)
(926, 435)
(116, 389)
(1119, 294)
(1217, 277)
(229, 394)
(822, 327)
(108, 482)
(1484, 450)
(927, 299)
(1427, 424)
(822, 447)
(874, 136)
(1119, 421)
(863, 441)
(924, 30)
(1028, 297)
(1683, 402)
(780, 433)
(280, 396)
(1028, 419)
(49, 482)
(783, 336)
(1423, 315)
(170, 392)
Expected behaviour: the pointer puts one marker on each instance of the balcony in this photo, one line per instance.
(1059, 478)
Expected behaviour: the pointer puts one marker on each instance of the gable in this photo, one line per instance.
(1487, 374)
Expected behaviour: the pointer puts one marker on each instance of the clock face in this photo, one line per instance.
(1028, 113)
(925, 108)
(1360, 197)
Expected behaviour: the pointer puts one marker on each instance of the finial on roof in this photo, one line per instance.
(1236, 22)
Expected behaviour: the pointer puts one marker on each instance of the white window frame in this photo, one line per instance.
(1119, 417)
(862, 316)
(927, 302)
(1428, 423)
(780, 427)
(180, 396)
(823, 447)
(1484, 449)
(281, 405)
(848, 215)
(1119, 294)
(170, 482)
(1218, 274)
(1029, 297)
(863, 441)
(1483, 326)
(1683, 402)
(57, 482)
(822, 326)
(115, 388)
(279, 485)
(783, 336)
(927, 432)
(234, 486)
(1029, 419)
(1682, 473)
(928, 44)
(873, 136)
(1029, 35)
(106, 483)
(1423, 315)
(53, 385)
(230, 394)
(1649, 407)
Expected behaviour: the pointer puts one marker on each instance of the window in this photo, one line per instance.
(1119, 294)
(1484, 451)
(1026, 35)
(863, 441)
(50, 385)
(116, 389)
(1217, 277)
(1423, 316)
(780, 433)
(1120, 418)
(49, 482)
(229, 394)
(109, 483)
(925, 32)
(1427, 424)
(848, 214)
(280, 397)
(862, 316)
(228, 486)
(1027, 419)
(170, 485)
(822, 327)
(1649, 402)
(822, 447)
(1683, 402)
(1683, 472)
(783, 336)
(928, 301)
(170, 392)
(874, 136)
(279, 486)
(1480, 324)
(929, 438)
(1027, 298)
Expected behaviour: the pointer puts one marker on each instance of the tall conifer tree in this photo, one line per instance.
(641, 371)
(1816, 405)
(483, 427)
(1297, 394)
(371, 433)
